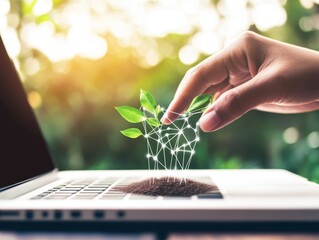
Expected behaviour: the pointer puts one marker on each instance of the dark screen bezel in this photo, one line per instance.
(45, 163)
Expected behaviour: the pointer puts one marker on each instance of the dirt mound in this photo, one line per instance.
(168, 186)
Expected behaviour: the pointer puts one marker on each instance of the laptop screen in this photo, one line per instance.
(23, 151)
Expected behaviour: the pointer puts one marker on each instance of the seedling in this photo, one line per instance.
(171, 146)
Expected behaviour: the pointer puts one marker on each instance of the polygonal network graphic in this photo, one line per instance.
(172, 147)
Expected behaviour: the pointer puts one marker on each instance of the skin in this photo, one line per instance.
(254, 72)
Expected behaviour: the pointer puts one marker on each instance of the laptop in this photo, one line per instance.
(33, 190)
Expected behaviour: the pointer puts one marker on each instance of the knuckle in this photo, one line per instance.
(230, 100)
(248, 37)
(197, 75)
(193, 70)
(232, 96)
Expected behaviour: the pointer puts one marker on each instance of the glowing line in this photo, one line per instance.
(170, 147)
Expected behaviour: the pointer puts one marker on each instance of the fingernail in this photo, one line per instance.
(164, 119)
(209, 121)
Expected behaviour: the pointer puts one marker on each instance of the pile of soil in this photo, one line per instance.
(168, 186)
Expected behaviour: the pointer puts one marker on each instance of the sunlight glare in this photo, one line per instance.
(42, 7)
(208, 20)
(4, 7)
(206, 42)
(34, 99)
(188, 55)
(313, 139)
(32, 66)
(152, 57)
(268, 15)
(291, 135)
(307, 3)
(11, 41)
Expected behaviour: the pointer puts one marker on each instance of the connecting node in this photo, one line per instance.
(169, 145)
(144, 119)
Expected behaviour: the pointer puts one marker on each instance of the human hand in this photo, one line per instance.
(255, 72)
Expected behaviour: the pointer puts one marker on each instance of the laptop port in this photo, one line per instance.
(120, 214)
(99, 214)
(57, 215)
(9, 214)
(29, 215)
(75, 214)
(44, 214)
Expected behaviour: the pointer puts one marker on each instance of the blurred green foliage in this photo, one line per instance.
(82, 128)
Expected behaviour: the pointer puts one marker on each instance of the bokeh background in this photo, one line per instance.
(80, 58)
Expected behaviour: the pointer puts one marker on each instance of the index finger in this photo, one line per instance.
(212, 71)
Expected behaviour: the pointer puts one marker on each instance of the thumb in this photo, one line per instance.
(234, 103)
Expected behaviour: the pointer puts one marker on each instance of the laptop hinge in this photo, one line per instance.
(29, 185)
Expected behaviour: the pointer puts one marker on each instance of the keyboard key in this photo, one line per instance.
(97, 187)
(61, 194)
(87, 195)
(69, 189)
(210, 195)
(73, 188)
(111, 192)
(93, 189)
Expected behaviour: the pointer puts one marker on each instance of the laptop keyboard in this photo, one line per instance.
(108, 189)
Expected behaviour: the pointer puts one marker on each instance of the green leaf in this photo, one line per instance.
(131, 114)
(148, 101)
(199, 102)
(132, 132)
(158, 110)
(154, 122)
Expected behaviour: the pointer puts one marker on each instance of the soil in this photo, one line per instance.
(168, 186)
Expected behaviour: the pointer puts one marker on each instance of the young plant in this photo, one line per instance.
(169, 147)
(150, 112)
